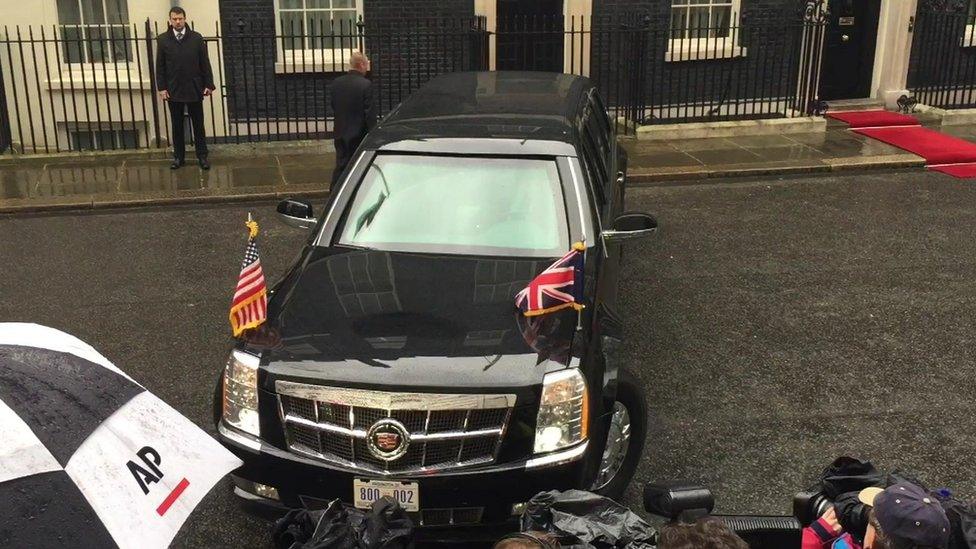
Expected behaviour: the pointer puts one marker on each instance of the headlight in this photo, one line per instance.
(562, 419)
(241, 393)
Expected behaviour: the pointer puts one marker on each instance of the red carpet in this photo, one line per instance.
(961, 171)
(873, 119)
(942, 153)
(934, 147)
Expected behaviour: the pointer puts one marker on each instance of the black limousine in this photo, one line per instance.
(394, 361)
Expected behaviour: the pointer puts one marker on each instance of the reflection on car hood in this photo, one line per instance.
(361, 317)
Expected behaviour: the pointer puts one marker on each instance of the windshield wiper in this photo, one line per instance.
(356, 246)
(367, 217)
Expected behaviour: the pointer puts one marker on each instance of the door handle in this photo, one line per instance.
(844, 38)
(620, 177)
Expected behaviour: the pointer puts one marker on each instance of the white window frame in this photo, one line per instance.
(85, 28)
(968, 40)
(310, 59)
(700, 49)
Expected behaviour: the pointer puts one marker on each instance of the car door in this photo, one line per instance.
(597, 164)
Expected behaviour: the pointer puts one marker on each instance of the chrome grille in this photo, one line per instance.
(444, 431)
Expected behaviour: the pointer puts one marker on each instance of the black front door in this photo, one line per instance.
(529, 35)
(848, 60)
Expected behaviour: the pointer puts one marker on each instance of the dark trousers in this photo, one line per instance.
(344, 149)
(196, 120)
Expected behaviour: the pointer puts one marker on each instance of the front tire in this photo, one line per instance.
(625, 438)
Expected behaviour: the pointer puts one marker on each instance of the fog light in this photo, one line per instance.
(518, 509)
(265, 491)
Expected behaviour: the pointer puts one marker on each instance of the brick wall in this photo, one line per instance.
(411, 9)
(403, 55)
(406, 52)
(770, 32)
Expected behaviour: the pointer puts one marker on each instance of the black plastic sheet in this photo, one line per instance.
(385, 526)
(583, 519)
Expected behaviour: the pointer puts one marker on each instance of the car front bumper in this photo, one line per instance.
(304, 482)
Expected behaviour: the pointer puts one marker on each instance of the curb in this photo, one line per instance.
(637, 179)
(165, 153)
(162, 201)
(650, 179)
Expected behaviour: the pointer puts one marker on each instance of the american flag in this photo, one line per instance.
(557, 287)
(249, 308)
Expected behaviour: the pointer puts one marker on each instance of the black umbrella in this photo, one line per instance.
(88, 457)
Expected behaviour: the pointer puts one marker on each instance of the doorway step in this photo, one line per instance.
(869, 104)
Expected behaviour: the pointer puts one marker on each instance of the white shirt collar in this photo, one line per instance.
(178, 34)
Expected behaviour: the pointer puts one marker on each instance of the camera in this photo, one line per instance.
(808, 506)
(683, 502)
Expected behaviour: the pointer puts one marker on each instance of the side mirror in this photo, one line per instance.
(629, 226)
(678, 501)
(296, 213)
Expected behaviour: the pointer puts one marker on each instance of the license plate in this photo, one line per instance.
(365, 492)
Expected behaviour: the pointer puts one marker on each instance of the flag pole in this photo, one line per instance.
(579, 306)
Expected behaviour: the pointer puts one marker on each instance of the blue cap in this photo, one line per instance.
(907, 512)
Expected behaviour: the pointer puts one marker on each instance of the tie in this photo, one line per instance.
(179, 37)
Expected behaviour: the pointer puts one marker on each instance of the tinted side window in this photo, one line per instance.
(600, 113)
(594, 170)
(596, 127)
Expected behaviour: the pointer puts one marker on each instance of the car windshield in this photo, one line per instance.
(478, 206)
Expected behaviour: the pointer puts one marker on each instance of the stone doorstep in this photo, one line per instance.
(950, 117)
(735, 128)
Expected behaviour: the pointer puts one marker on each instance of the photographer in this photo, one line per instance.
(902, 516)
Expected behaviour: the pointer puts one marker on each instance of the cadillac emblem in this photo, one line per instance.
(387, 439)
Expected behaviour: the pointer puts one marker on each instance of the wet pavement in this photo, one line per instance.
(238, 172)
(270, 170)
(835, 149)
(775, 322)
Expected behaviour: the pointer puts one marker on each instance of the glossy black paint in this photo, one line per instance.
(396, 321)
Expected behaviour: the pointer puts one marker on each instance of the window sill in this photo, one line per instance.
(705, 54)
(90, 78)
(319, 66)
(968, 39)
(313, 61)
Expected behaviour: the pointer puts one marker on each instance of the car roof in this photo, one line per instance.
(513, 105)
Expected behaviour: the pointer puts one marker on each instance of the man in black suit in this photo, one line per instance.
(352, 107)
(184, 78)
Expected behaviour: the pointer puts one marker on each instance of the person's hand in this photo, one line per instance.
(207, 92)
(830, 517)
(164, 95)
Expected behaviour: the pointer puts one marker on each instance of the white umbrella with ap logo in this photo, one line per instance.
(88, 457)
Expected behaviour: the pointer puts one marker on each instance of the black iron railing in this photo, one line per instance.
(942, 67)
(71, 88)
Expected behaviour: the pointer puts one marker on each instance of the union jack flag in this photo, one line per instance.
(249, 308)
(558, 287)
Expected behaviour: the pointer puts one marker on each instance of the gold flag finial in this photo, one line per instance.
(251, 225)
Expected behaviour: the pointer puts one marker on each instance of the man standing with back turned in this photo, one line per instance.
(184, 78)
(352, 107)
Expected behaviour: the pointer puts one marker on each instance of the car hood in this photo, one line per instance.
(402, 320)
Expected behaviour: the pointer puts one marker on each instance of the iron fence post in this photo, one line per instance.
(151, 66)
(6, 137)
